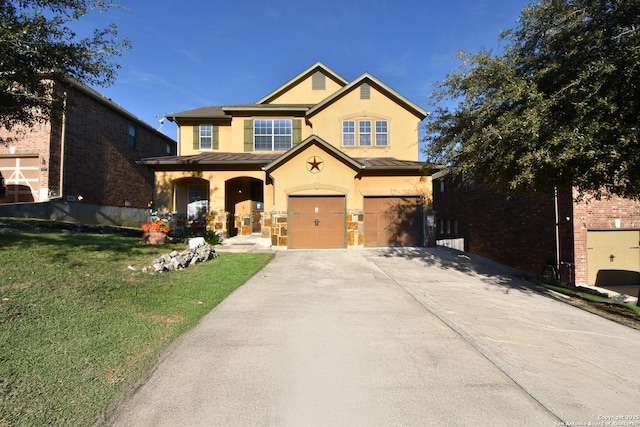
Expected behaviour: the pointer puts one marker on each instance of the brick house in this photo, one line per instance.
(596, 237)
(320, 162)
(87, 154)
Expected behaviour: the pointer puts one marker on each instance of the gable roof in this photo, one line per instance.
(313, 140)
(318, 66)
(368, 78)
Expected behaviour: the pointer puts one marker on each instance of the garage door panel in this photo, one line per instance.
(611, 250)
(22, 178)
(393, 221)
(317, 222)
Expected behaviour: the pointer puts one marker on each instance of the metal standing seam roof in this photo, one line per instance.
(226, 159)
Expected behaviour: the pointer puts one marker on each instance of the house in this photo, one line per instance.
(87, 154)
(594, 242)
(320, 162)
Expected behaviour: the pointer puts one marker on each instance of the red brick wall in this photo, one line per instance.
(29, 141)
(99, 164)
(516, 230)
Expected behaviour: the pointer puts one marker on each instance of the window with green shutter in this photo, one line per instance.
(248, 135)
(205, 137)
(297, 132)
(271, 134)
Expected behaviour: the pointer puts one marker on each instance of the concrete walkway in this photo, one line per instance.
(392, 338)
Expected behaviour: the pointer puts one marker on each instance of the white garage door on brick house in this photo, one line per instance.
(22, 178)
(609, 250)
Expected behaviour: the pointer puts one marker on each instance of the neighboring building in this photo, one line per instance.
(320, 162)
(88, 154)
(596, 237)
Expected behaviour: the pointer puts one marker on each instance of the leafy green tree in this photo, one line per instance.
(558, 106)
(36, 41)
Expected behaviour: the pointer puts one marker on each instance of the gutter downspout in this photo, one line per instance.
(557, 226)
(63, 138)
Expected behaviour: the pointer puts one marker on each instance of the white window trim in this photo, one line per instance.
(203, 136)
(357, 134)
(351, 134)
(272, 135)
(385, 133)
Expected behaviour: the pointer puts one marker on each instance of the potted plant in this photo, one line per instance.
(155, 232)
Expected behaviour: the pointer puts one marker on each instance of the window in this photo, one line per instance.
(272, 135)
(381, 133)
(168, 148)
(206, 133)
(197, 192)
(348, 133)
(132, 136)
(365, 133)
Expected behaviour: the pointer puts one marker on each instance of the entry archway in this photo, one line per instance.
(244, 200)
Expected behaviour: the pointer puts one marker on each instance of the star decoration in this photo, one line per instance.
(314, 164)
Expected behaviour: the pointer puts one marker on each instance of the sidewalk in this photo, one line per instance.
(252, 243)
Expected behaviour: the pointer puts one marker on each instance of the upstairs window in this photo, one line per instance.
(206, 133)
(132, 136)
(348, 133)
(272, 135)
(206, 137)
(382, 135)
(368, 133)
(365, 133)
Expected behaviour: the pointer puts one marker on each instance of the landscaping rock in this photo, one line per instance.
(179, 260)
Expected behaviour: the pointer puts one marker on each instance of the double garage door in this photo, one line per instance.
(321, 222)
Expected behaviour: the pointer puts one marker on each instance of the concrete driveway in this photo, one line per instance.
(393, 337)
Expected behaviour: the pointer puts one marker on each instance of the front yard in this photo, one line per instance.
(81, 325)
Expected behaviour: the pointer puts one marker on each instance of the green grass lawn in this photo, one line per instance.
(79, 329)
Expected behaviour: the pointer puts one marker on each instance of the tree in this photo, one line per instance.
(559, 106)
(36, 41)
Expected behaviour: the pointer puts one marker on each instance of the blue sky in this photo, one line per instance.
(192, 54)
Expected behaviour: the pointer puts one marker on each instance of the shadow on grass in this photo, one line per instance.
(28, 235)
(489, 272)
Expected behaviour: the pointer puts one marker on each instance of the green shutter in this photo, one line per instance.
(248, 135)
(196, 137)
(215, 137)
(296, 129)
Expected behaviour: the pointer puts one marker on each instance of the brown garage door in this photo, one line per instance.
(393, 221)
(317, 222)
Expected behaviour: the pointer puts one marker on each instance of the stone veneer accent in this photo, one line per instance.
(242, 222)
(355, 229)
(275, 225)
(217, 222)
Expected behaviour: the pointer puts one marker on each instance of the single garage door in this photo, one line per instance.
(317, 222)
(393, 221)
(609, 250)
(22, 178)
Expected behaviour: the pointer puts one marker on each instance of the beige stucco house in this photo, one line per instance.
(320, 162)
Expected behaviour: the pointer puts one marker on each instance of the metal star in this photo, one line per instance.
(315, 164)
